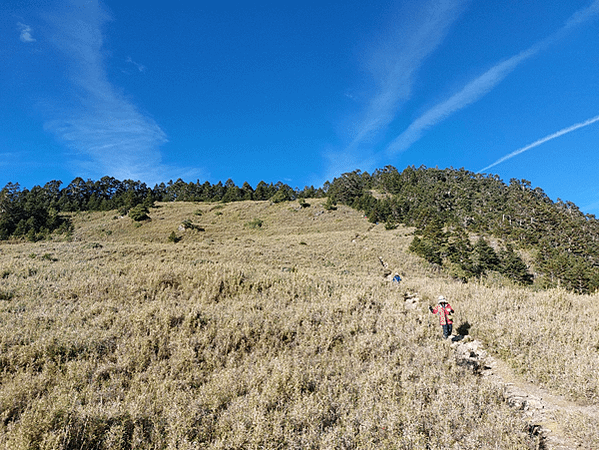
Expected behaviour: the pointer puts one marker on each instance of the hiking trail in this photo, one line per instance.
(538, 406)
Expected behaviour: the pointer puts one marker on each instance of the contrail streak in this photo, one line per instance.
(480, 86)
(471, 93)
(543, 140)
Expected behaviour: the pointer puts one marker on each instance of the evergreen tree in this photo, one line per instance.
(513, 267)
(432, 246)
(347, 188)
(284, 194)
(232, 192)
(460, 255)
(247, 192)
(263, 191)
(484, 258)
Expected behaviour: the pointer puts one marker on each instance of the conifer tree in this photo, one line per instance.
(513, 267)
(484, 258)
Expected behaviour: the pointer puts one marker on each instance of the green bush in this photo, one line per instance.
(189, 225)
(330, 204)
(49, 257)
(139, 213)
(256, 223)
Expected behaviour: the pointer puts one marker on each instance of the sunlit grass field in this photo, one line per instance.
(264, 326)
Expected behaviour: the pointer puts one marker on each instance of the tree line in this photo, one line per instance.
(37, 212)
(447, 205)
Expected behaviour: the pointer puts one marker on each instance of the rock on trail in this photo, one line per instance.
(537, 406)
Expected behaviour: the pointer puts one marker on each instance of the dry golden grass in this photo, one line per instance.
(279, 336)
(583, 428)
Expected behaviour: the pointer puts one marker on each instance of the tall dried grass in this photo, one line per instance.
(280, 336)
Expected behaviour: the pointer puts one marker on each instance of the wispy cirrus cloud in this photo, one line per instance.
(557, 134)
(397, 60)
(394, 64)
(582, 15)
(25, 33)
(140, 67)
(107, 132)
(471, 93)
(480, 86)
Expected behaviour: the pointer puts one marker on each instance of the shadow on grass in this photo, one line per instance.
(463, 329)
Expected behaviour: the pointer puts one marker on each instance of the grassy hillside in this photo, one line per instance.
(264, 326)
(446, 204)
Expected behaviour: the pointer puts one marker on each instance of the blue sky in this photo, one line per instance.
(300, 92)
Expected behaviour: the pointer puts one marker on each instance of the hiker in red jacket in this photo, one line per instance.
(445, 312)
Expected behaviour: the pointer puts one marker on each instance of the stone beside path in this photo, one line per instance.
(536, 405)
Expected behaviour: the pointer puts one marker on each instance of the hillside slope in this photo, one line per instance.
(265, 326)
(563, 241)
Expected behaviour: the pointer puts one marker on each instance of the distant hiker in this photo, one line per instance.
(396, 278)
(445, 312)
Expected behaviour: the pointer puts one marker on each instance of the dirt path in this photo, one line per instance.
(539, 408)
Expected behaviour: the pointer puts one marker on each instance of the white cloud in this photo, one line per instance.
(114, 137)
(140, 67)
(25, 33)
(472, 92)
(108, 133)
(583, 15)
(396, 62)
(341, 162)
(483, 84)
(557, 134)
(416, 33)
